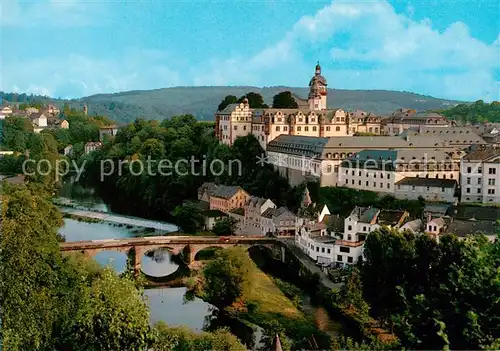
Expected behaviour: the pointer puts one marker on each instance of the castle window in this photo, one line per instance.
(314, 129)
(285, 129)
(244, 127)
(306, 129)
(337, 129)
(298, 129)
(327, 129)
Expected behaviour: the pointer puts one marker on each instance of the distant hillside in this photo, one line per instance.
(203, 101)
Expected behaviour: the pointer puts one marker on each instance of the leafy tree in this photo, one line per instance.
(255, 100)
(228, 100)
(182, 338)
(110, 315)
(225, 226)
(436, 295)
(228, 277)
(268, 340)
(188, 217)
(284, 100)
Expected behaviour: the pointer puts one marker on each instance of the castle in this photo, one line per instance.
(311, 118)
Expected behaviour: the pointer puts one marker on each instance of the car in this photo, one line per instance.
(224, 238)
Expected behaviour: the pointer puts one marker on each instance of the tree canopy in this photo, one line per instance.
(228, 277)
(478, 112)
(284, 100)
(435, 295)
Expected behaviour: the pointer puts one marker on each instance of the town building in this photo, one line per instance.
(429, 189)
(381, 170)
(39, 121)
(228, 197)
(110, 131)
(205, 191)
(211, 217)
(254, 208)
(460, 137)
(68, 150)
(405, 119)
(300, 158)
(311, 118)
(480, 176)
(5, 112)
(278, 221)
(92, 146)
(346, 247)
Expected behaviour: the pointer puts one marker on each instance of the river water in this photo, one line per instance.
(166, 304)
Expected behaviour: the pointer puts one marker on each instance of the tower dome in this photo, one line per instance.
(318, 77)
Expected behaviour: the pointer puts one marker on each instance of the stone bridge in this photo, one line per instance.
(175, 244)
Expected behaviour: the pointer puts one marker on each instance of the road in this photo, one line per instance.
(306, 261)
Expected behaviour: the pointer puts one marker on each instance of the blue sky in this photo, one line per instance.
(443, 48)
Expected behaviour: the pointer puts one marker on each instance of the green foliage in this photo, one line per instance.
(225, 226)
(53, 303)
(284, 100)
(346, 343)
(228, 277)
(202, 101)
(255, 100)
(478, 112)
(342, 200)
(436, 295)
(158, 193)
(188, 217)
(351, 297)
(268, 340)
(184, 339)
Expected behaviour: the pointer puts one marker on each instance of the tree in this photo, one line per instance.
(110, 315)
(228, 277)
(188, 217)
(255, 100)
(182, 338)
(225, 226)
(284, 100)
(230, 99)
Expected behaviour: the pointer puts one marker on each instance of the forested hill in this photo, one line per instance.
(203, 101)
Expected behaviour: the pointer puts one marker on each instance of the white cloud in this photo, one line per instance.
(361, 45)
(60, 13)
(396, 52)
(77, 75)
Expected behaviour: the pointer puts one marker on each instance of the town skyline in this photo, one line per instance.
(369, 45)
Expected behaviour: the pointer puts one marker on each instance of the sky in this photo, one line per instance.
(443, 48)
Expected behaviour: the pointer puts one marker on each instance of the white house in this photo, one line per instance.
(68, 150)
(254, 208)
(346, 247)
(212, 216)
(39, 121)
(278, 221)
(92, 146)
(480, 176)
(5, 111)
(430, 189)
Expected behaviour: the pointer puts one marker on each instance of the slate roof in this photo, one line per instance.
(334, 222)
(482, 155)
(415, 225)
(452, 135)
(14, 180)
(428, 182)
(298, 145)
(365, 214)
(207, 186)
(441, 209)
(226, 191)
(255, 201)
(391, 217)
(463, 228)
(277, 212)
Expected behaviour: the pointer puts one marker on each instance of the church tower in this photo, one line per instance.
(317, 91)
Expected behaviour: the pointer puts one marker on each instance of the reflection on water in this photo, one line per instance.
(74, 230)
(158, 263)
(166, 304)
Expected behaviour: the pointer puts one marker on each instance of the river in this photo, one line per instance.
(166, 304)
